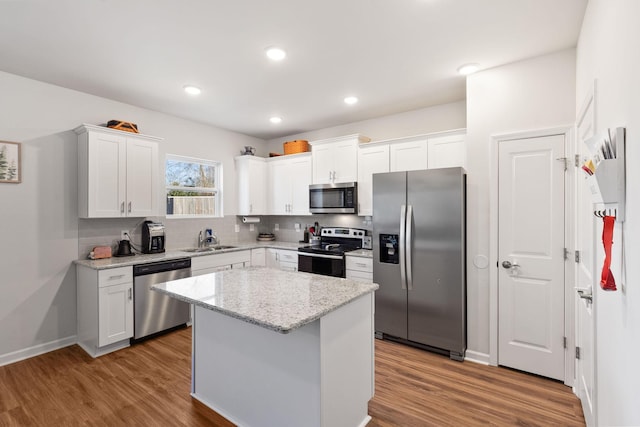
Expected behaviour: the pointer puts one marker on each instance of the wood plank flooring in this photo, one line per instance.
(148, 385)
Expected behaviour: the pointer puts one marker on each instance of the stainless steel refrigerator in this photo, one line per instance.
(419, 247)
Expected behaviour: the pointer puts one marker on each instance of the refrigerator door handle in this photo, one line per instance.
(407, 245)
(401, 246)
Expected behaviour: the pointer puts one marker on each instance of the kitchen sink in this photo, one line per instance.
(209, 249)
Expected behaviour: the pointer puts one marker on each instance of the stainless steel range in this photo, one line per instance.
(327, 257)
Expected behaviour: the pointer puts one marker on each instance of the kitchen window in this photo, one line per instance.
(194, 187)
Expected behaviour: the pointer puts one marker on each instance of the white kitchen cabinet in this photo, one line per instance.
(288, 188)
(336, 159)
(117, 173)
(408, 154)
(206, 264)
(446, 150)
(282, 259)
(359, 268)
(251, 180)
(259, 257)
(371, 159)
(105, 309)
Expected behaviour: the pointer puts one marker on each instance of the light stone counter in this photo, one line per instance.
(114, 262)
(278, 300)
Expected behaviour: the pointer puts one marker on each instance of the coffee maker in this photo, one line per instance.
(152, 237)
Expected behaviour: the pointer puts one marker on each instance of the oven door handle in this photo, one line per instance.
(320, 255)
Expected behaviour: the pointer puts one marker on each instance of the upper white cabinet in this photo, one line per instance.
(447, 150)
(288, 184)
(336, 159)
(371, 159)
(251, 179)
(117, 173)
(408, 154)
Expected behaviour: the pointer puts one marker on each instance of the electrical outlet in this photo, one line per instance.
(124, 235)
(296, 226)
(252, 227)
(276, 227)
(237, 228)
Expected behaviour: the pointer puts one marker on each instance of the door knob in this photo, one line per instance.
(507, 264)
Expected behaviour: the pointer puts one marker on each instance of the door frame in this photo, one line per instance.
(568, 131)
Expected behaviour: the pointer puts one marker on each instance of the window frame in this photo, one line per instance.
(218, 190)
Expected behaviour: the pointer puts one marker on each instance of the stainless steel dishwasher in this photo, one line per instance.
(153, 311)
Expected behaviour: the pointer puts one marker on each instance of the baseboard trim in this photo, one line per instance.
(476, 357)
(36, 350)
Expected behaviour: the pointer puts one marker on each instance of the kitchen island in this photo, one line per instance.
(278, 348)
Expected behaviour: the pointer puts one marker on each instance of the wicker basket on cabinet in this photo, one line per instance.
(297, 146)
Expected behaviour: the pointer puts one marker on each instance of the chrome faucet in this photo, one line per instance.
(200, 240)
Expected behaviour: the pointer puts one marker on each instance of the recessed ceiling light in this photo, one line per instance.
(275, 120)
(350, 100)
(467, 69)
(192, 90)
(275, 53)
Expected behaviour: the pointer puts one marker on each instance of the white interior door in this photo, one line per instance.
(531, 255)
(585, 274)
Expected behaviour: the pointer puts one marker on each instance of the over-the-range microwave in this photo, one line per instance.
(333, 198)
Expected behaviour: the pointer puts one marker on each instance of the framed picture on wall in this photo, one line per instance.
(10, 167)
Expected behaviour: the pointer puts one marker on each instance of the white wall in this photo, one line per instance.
(38, 218)
(532, 94)
(425, 120)
(609, 52)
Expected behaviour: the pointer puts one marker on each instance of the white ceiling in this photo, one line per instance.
(395, 55)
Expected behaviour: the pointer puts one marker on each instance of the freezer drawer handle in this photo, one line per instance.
(401, 246)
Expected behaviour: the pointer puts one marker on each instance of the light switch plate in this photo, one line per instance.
(276, 227)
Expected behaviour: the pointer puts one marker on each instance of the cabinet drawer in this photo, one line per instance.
(359, 276)
(289, 256)
(115, 276)
(359, 264)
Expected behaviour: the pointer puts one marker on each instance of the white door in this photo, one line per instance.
(299, 181)
(142, 178)
(107, 175)
(371, 159)
(408, 156)
(531, 255)
(115, 313)
(446, 151)
(585, 276)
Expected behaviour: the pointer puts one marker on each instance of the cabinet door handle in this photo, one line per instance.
(122, 207)
(130, 294)
(116, 277)
(329, 176)
(361, 264)
(277, 256)
(129, 207)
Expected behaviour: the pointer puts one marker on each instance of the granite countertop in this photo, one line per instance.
(274, 299)
(362, 253)
(114, 262)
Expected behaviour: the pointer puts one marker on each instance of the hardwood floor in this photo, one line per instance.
(148, 384)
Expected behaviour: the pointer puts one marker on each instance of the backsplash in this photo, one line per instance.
(183, 233)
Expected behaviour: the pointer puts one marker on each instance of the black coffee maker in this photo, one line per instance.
(152, 237)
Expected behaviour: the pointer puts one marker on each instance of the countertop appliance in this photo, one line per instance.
(154, 312)
(327, 257)
(333, 198)
(152, 237)
(419, 245)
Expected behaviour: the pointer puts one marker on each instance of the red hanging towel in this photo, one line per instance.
(607, 282)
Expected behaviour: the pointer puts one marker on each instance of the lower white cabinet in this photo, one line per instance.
(219, 262)
(105, 309)
(359, 268)
(259, 257)
(282, 259)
